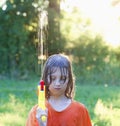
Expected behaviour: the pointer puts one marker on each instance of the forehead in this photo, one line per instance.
(58, 70)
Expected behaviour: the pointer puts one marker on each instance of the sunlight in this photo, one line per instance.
(104, 17)
(105, 112)
(2, 2)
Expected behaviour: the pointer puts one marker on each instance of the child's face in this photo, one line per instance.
(58, 83)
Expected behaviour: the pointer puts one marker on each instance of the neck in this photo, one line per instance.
(56, 98)
(59, 103)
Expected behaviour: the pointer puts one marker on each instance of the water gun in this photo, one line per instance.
(41, 97)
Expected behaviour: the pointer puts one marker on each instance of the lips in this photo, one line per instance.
(57, 88)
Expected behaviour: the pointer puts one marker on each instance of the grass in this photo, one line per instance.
(18, 96)
(102, 102)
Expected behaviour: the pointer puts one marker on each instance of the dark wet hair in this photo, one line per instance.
(61, 61)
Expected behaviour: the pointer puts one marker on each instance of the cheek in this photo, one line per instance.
(66, 82)
(65, 86)
(50, 86)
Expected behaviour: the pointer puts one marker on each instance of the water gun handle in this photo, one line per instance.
(41, 97)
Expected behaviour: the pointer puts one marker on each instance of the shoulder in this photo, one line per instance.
(31, 120)
(79, 106)
(82, 113)
(33, 109)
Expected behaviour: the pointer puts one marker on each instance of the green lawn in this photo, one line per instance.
(17, 98)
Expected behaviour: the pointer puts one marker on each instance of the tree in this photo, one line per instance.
(18, 37)
(19, 34)
(55, 41)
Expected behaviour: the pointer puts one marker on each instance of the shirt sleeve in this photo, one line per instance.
(87, 121)
(31, 120)
(83, 116)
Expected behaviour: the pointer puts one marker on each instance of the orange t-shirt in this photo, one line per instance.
(74, 115)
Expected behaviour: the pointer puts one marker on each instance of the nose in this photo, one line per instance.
(57, 83)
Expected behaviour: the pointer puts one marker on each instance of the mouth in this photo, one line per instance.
(57, 88)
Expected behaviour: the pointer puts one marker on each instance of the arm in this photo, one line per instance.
(31, 120)
(34, 117)
(87, 121)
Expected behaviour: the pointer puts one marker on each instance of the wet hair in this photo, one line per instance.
(58, 61)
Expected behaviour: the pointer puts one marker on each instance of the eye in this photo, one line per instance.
(63, 78)
(53, 78)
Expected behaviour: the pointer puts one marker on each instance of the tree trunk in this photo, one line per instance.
(54, 27)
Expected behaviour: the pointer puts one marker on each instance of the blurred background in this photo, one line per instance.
(87, 31)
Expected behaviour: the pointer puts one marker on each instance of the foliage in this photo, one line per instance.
(18, 28)
(68, 32)
(90, 53)
(19, 44)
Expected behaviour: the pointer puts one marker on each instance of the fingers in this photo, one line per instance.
(41, 112)
(41, 115)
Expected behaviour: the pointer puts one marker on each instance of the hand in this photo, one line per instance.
(41, 116)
